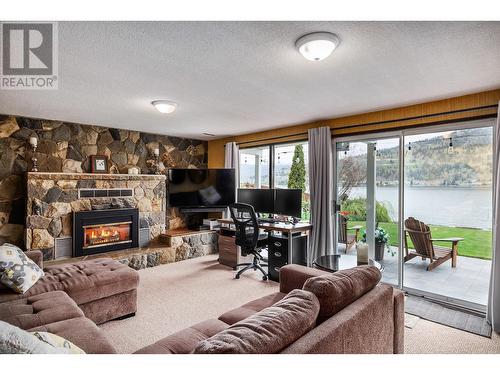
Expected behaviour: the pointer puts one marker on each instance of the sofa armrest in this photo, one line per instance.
(36, 256)
(293, 276)
(399, 321)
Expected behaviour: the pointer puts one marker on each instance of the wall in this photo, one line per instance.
(361, 123)
(66, 147)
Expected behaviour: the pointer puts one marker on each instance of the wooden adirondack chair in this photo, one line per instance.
(420, 235)
(348, 239)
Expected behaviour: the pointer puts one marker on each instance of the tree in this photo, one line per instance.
(352, 173)
(297, 177)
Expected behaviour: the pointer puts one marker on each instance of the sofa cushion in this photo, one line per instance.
(84, 281)
(184, 342)
(338, 290)
(232, 316)
(82, 332)
(38, 310)
(58, 342)
(17, 271)
(268, 331)
(14, 340)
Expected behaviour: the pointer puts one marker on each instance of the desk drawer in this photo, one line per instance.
(274, 266)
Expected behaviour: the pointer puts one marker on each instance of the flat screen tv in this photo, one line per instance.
(201, 188)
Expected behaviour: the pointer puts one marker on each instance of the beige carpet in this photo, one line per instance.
(177, 295)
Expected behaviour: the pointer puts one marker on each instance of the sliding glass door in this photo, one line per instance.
(420, 201)
(367, 196)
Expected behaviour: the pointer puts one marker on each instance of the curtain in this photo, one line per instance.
(321, 189)
(232, 160)
(493, 312)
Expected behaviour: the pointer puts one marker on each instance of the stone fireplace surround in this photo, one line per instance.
(52, 198)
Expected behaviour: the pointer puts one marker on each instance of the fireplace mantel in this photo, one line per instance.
(94, 176)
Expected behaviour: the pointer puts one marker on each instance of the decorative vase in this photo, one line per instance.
(362, 252)
(379, 250)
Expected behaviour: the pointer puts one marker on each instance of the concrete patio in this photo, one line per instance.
(469, 281)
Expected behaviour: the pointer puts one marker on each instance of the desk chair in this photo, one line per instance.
(248, 237)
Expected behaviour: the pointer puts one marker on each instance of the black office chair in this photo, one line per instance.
(248, 237)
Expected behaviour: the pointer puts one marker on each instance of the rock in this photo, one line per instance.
(58, 209)
(91, 137)
(39, 208)
(119, 158)
(123, 134)
(55, 227)
(48, 147)
(85, 184)
(138, 193)
(6, 161)
(134, 136)
(50, 125)
(47, 184)
(144, 205)
(105, 138)
(67, 225)
(138, 262)
(143, 223)
(23, 133)
(122, 203)
(8, 126)
(115, 133)
(132, 159)
(192, 240)
(74, 153)
(20, 166)
(37, 221)
(62, 133)
(28, 237)
(153, 259)
(49, 163)
(89, 150)
(72, 166)
(167, 255)
(67, 184)
(81, 205)
(52, 195)
(41, 239)
(182, 252)
(69, 196)
(10, 187)
(129, 146)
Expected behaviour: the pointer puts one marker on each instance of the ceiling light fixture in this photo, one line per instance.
(164, 106)
(317, 46)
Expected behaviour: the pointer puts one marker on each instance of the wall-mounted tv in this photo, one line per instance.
(201, 188)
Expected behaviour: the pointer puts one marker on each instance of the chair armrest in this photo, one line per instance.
(451, 239)
(36, 256)
(399, 321)
(357, 227)
(293, 276)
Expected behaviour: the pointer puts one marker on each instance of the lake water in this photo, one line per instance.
(449, 206)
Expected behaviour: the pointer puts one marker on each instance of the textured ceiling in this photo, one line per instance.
(240, 77)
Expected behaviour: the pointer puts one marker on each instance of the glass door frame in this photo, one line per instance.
(401, 134)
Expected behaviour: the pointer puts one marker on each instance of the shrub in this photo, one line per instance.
(357, 210)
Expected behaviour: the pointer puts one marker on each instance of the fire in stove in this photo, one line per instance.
(101, 235)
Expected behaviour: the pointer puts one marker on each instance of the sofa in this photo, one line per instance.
(373, 323)
(72, 298)
(370, 318)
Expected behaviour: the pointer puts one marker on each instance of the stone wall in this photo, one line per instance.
(66, 147)
(53, 198)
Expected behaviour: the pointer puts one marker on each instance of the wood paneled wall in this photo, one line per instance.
(368, 122)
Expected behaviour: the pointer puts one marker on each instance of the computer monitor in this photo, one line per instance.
(288, 202)
(262, 200)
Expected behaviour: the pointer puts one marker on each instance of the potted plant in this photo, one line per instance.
(381, 242)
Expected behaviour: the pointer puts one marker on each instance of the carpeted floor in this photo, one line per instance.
(177, 295)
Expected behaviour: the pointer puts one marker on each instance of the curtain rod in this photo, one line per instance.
(378, 122)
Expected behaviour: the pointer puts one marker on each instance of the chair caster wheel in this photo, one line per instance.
(237, 277)
(264, 278)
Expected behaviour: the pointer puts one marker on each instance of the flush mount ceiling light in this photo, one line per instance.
(317, 46)
(164, 106)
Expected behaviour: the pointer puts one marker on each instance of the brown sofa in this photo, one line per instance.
(72, 298)
(373, 323)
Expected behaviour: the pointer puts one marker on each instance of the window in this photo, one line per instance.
(254, 168)
(283, 166)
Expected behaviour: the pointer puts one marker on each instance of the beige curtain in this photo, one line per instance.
(232, 160)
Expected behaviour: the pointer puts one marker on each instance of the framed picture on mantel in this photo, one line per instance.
(99, 164)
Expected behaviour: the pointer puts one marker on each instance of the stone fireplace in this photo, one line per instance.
(101, 231)
(77, 214)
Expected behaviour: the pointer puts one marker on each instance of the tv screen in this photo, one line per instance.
(201, 188)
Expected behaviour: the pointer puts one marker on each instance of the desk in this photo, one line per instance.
(276, 258)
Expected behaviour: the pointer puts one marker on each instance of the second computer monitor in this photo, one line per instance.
(262, 200)
(288, 202)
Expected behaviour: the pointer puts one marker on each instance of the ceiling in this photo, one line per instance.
(232, 78)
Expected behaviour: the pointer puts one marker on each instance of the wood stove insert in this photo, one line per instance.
(101, 231)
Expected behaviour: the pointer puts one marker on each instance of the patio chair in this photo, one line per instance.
(348, 239)
(420, 235)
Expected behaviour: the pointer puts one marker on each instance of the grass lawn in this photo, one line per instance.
(476, 243)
